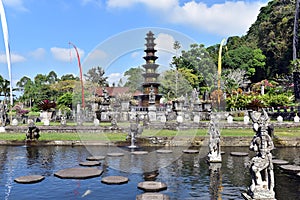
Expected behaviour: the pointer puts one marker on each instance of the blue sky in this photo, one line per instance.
(113, 31)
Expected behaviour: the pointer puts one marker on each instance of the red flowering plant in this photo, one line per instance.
(46, 105)
(19, 111)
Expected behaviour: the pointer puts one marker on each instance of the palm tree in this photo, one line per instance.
(5, 88)
(1, 82)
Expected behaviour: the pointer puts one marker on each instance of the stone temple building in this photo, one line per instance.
(150, 96)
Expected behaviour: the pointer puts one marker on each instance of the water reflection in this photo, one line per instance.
(188, 176)
(215, 181)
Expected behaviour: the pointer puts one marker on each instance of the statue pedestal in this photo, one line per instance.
(261, 195)
(152, 112)
(214, 157)
(2, 129)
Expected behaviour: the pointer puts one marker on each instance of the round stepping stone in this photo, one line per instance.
(293, 168)
(152, 186)
(222, 152)
(164, 151)
(78, 173)
(140, 152)
(95, 158)
(115, 154)
(151, 196)
(280, 162)
(29, 179)
(239, 154)
(298, 174)
(114, 180)
(190, 151)
(90, 163)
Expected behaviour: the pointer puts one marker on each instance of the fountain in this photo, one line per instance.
(214, 154)
(134, 130)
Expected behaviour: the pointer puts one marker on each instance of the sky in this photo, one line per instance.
(111, 33)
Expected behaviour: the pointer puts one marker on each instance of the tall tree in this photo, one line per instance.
(198, 60)
(246, 58)
(4, 87)
(169, 86)
(22, 82)
(272, 32)
(96, 75)
(69, 77)
(134, 79)
(52, 77)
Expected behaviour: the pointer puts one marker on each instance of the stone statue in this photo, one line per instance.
(214, 154)
(261, 166)
(113, 122)
(3, 114)
(33, 132)
(135, 129)
(151, 95)
(106, 98)
(195, 96)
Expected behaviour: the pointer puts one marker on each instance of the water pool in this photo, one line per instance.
(187, 176)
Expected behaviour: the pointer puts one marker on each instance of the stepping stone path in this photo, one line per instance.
(280, 162)
(140, 152)
(90, 163)
(151, 196)
(152, 186)
(239, 154)
(95, 158)
(78, 173)
(29, 179)
(164, 151)
(190, 151)
(114, 180)
(115, 154)
(291, 168)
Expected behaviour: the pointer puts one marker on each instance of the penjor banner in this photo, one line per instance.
(7, 50)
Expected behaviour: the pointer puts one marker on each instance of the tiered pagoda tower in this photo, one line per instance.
(150, 94)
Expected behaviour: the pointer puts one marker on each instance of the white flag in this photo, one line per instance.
(7, 50)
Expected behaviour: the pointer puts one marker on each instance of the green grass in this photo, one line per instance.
(280, 132)
(68, 136)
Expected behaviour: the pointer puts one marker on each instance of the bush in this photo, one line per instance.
(279, 100)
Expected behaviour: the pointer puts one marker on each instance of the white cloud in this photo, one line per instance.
(114, 78)
(66, 55)
(38, 54)
(162, 4)
(97, 55)
(15, 58)
(165, 42)
(95, 2)
(228, 18)
(136, 54)
(16, 4)
(120, 3)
